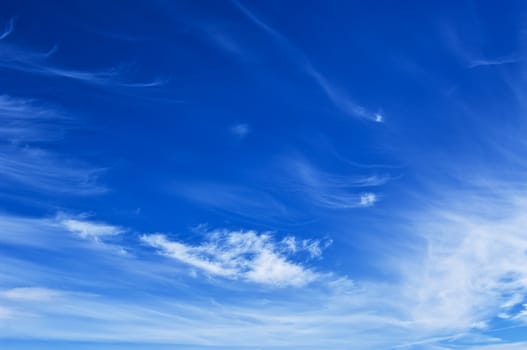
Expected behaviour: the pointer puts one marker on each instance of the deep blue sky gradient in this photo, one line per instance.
(262, 174)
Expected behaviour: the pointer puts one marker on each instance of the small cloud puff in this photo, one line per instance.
(367, 199)
(240, 130)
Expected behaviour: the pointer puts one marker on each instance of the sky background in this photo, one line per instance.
(263, 175)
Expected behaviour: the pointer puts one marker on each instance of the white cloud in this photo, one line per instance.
(90, 230)
(245, 255)
(367, 199)
(313, 247)
(30, 294)
(60, 233)
(471, 268)
(514, 300)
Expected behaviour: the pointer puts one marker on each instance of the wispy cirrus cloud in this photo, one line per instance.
(243, 255)
(471, 270)
(291, 179)
(239, 200)
(505, 346)
(337, 96)
(221, 39)
(476, 62)
(469, 54)
(9, 26)
(14, 57)
(330, 190)
(450, 290)
(341, 99)
(26, 120)
(30, 294)
(57, 232)
(41, 170)
(27, 126)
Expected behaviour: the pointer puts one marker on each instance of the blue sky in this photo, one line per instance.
(263, 175)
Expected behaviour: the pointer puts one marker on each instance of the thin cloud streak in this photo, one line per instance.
(339, 98)
(25, 122)
(328, 190)
(464, 53)
(56, 233)
(25, 60)
(44, 171)
(239, 200)
(477, 62)
(10, 25)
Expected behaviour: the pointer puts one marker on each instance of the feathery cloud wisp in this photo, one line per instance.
(338, 97)
(40, 170)
(28, 61)
(9, 26)
(470, 56)
(330, 190)
(463, 279)
(477, 62)
(239, 200)
(25, 122)
(30, 294)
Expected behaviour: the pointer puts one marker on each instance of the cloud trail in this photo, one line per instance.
(329, 190)
(10, 25)
(338, 97)
(25, 60)
(26, 123)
